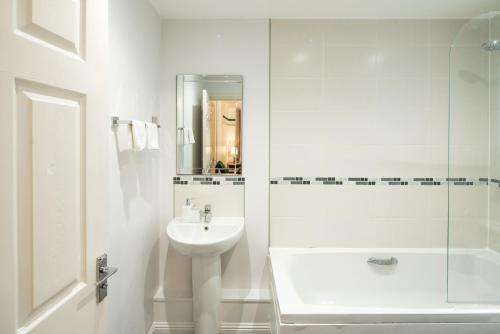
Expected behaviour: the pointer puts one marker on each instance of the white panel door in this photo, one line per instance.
(54, 128)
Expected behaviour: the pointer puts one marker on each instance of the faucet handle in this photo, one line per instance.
(208, 208)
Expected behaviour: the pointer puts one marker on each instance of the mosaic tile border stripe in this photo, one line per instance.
(357, 181)
(383, 181)
(209, 180)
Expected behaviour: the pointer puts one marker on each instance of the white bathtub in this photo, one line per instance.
(315, 286)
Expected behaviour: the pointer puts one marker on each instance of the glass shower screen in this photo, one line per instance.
(474, 163)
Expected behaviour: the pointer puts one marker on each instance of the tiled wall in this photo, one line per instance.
(360, 97)
(368, 100)
(226, 200)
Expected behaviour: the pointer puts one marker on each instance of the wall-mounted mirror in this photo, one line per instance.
(209, 124)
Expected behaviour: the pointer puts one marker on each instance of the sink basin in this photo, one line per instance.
(200, 239)
(205, 243)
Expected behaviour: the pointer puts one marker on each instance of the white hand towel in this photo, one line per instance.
(152, 134)
(188, 136)
(138, 135)
(191, 136)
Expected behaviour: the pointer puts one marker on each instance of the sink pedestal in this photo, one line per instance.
(206, 276)
(205, 244)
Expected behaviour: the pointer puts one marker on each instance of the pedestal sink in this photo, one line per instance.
(205, 242)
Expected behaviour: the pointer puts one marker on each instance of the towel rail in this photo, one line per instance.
(115, 121)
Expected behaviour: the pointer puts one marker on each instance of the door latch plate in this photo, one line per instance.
(103, 272)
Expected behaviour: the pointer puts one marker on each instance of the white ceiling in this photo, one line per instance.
(234, 9)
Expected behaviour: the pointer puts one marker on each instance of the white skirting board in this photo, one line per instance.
(225, 328)
(240, 312)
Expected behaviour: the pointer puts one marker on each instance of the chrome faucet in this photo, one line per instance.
(206, 214)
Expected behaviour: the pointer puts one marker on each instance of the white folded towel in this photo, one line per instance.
(188, 136)
(138, 135)
(152, 134)
(191, 136)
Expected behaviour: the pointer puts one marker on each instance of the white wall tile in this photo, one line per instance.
(444, 32)
(379, 108)
(381, 84)
(307, 160)
(296, 94)
(403, 32)
(403, 61)
(351, 61)
(439, 96)
(400, 94)
(302, 60)
(351, 32)
(349, 94)
(226, 200)
(290, 127)
(439, 59)
(354, 216)
(298, 32)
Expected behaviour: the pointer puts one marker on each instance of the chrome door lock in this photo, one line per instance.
(103, 272)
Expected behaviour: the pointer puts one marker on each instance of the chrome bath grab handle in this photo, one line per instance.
(383, 262)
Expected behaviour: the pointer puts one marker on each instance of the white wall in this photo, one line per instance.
(220, 47)
(369, 98)
(135, 37)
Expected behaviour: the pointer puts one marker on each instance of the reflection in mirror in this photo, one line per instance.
(209, 124)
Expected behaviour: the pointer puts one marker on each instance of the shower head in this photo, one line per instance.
(493, 45)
